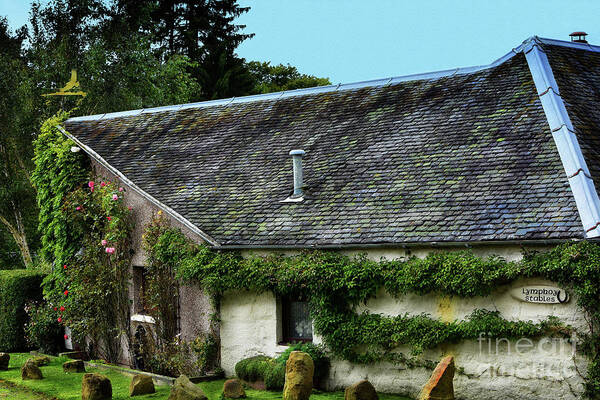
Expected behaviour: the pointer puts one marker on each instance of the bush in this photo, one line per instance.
(43, 331)
(275, 377)
(17, 287)
(272, 371)
(253, 369)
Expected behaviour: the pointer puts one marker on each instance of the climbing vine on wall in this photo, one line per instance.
(58, 171)
(86, 231)
(335, 284)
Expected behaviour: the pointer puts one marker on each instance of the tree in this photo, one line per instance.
(275, 78)
(202, 30)
(17, 198)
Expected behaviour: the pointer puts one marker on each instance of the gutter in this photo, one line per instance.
(174, 214)
(526, 242)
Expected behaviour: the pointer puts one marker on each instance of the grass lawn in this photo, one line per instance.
(68, 386)
(214, 389)
(57, 384)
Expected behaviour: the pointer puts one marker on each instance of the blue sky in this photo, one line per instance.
(354, 40)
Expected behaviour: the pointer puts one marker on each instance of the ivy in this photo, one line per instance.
(86, 235)
(58, 171)
(336, 284)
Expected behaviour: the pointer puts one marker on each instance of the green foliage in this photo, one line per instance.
(58, 385)
(276, 78)
(275, 376)
(253, 369)
(335, 283)
(272, 371)
(18, 211)
(58, 171)
(17, 287)
(164, 247)
(43, 331)
(92, 286)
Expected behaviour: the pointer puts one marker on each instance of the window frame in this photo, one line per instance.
(286, 338)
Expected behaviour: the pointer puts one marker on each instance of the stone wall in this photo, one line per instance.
(194, 305)
(501, 369)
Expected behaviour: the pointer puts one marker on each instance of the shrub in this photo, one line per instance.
(253, 369)
(17, 287)
(275, 377)
(43, 331)
(272, 371)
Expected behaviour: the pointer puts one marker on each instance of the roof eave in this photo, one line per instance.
(168, 210)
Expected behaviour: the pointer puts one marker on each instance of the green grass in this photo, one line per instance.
(214, 389)
(57, 384)
(11, 392)
(68, 386)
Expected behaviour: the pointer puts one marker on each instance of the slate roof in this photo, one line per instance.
(460, 157)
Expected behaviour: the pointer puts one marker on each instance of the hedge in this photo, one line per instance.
(17, 287)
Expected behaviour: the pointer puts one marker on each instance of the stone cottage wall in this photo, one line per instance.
(194, 305)
(492, 370)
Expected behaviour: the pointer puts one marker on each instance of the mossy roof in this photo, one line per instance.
(458, 158)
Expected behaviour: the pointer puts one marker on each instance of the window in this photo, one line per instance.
(139, 290)
(296, 322)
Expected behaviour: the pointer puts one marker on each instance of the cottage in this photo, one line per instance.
(496, 158)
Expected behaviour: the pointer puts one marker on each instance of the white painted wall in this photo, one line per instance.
(541, 371)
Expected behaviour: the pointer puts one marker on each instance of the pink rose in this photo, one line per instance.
(91, 185)
(110, 250)
(115, 197)
(104, 242)
(78, 208)
(121, 189)
(102, 184)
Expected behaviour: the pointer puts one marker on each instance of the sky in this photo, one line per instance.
(355, 40)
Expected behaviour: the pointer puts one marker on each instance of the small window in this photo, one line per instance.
(296, 322)
(139, 292)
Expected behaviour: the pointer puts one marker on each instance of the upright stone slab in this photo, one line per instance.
(362, 390)
(184, 389)
(30, 370)
(233, 389)
(141, 384)
(299, 371)
(41, 361)
(440, 386)
(4, 360)
(74, 366)
(96, 387)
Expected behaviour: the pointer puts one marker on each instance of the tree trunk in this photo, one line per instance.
(18, 234)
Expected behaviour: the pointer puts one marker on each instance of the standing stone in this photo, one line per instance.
(233, 389)
(183, 389)
(74, 366)
(440, 385)
(362, 390)
(141, 384)
(4, 359)
(96, 387)
(31, 371)
(41, 361)
(299, 370)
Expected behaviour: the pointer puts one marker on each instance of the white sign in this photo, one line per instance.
(540, 294)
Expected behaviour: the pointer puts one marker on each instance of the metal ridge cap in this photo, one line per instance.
(312, 90)
(178, 217)
(582, 186)
(566, 43)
